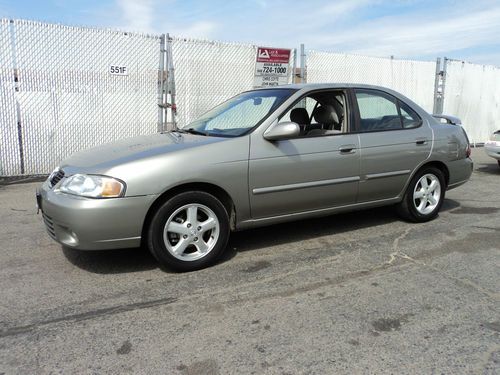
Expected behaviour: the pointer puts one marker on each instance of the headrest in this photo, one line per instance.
(299, 116)
(326, 114)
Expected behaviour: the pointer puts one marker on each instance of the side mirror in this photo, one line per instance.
(282, 130)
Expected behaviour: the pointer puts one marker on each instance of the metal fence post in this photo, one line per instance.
(18, 105)
(294, 64)
(161, 86)
(437, 94)
(443, 84)
(171, 83)
(302, 63)
(439, 86)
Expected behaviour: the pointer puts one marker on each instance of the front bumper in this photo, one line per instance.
(93, 224)
(492, 149)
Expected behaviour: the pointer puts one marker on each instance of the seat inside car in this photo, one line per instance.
(327, 117)
(301, 117)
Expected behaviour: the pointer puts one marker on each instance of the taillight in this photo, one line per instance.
(467, 150)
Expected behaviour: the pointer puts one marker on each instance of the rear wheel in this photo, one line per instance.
(498, 161)
(189, 231)
(424, 196)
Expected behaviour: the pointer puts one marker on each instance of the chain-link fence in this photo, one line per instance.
(209, 72)
(472, 93)
(415, 79)
(65, 97)
(9, 147)
(59, 94)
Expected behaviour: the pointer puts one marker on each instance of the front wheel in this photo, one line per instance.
(189, 231)
(424, 196)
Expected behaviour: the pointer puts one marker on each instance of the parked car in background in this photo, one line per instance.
(492, 147)
(265, 156)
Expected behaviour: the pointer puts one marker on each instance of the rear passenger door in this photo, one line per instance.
(394, 140)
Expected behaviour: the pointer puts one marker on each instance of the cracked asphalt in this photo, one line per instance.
(362, 292)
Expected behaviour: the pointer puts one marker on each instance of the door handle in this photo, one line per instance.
(421, 141)
(347, 149)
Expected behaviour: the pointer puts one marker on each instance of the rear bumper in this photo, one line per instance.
(460, 172)
(93, 224)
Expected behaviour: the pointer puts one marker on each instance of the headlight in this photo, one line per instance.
(92, 186)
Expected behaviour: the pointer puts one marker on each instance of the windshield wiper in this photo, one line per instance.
(192, 131)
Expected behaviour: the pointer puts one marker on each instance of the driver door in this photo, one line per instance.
(314, 171)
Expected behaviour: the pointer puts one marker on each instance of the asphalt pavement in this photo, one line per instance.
(363, 292)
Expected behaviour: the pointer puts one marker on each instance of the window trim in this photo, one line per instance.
(348, 107)
(357, 115)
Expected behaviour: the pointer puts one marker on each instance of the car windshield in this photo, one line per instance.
(239, 114)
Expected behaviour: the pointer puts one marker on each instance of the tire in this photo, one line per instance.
(498, 161)
(189, 231)
(419, 210)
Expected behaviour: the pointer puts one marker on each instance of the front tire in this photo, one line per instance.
(424, 196)
(189, 231)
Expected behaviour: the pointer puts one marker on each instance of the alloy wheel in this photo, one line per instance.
(427, 194)
(191, 232)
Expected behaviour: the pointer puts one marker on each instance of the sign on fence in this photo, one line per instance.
(272, 67)
(118, 70)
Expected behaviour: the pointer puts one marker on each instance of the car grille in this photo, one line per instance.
(56, 177)
(49, 224)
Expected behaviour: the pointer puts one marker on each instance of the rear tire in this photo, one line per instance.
(424, 196)
(189, 231)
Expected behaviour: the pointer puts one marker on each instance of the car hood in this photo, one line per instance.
(132, 149)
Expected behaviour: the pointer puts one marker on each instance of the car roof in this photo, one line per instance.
(313, 86)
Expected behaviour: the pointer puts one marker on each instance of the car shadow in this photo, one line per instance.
(112, 261)
(140, 259)
(449, 204)
(489, 168)
(302, 230)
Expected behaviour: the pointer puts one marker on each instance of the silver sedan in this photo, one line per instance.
(263, 157)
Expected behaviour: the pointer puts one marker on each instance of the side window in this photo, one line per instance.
(379, 111)
(409, 116)
(319, 113)
(306, 103)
